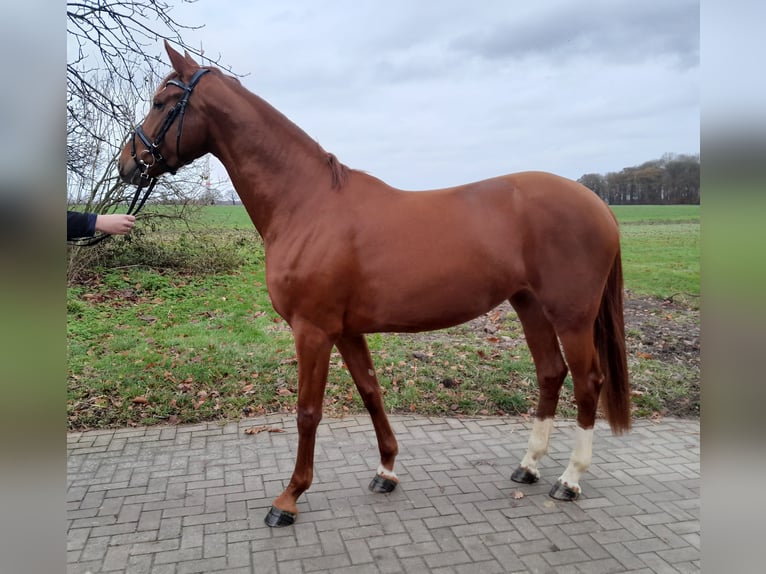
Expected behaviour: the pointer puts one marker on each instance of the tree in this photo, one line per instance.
(112, 37)
(596, 183)
(110, 70)
(671, 179)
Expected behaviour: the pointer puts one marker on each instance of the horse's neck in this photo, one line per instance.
(274, 166)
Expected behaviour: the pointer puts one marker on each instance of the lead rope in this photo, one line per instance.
(98, 238)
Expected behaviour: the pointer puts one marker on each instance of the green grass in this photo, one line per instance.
(218, 217)
(661, 250)
(662, 259)
(152, 343)
(629, 214)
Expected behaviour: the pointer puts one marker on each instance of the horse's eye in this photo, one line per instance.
(158, 105)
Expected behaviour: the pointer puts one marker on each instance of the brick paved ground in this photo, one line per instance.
(192, 499)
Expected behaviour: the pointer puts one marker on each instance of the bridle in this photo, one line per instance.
(152, 148)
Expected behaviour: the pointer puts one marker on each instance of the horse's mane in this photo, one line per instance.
(338, 171)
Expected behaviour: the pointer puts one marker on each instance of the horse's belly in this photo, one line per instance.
(424, 307)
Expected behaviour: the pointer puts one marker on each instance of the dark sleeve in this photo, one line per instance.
(80, 224)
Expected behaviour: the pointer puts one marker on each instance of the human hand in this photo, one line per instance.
(115, 223)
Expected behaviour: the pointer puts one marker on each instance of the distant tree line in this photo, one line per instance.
(672, 179)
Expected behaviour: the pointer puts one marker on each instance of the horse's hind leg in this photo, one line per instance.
(583, 362)
(356, 354)
(551, 371)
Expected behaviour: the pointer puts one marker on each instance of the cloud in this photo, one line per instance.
(427, 94)
(623, 32)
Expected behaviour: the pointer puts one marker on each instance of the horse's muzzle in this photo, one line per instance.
(129, 171)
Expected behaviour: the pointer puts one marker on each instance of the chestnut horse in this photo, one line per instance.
(347, 254)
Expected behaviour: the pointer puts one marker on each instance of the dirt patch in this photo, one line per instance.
(665, 330)
(667, 334)
(663, 346)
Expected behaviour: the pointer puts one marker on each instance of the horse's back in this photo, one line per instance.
(518, 210)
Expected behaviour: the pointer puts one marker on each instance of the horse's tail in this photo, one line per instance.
(609, 338)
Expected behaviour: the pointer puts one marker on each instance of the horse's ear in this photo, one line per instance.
(180, 64)
(189, 59)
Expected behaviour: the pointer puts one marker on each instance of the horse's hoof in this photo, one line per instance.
(382, 485)
(560, 491)
(278, 518)
(524, 476)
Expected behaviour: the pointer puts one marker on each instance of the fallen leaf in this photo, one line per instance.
(643, 355)
(140, 400)
(284, 392)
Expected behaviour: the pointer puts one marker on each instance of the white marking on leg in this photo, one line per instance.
(579, 462)
(385, 473)
(371, 372)
(538, 444)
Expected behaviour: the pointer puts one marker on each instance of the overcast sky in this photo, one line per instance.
(433, 94)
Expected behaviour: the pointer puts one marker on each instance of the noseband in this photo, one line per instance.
(153, 147)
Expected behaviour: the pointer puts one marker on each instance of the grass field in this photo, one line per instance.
(149, 345)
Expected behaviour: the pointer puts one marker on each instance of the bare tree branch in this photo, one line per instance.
(110, 70)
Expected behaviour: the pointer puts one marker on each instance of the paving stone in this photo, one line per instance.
(188, 499)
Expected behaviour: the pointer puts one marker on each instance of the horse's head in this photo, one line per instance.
(173, 132)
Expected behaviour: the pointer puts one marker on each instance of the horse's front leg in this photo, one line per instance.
(357, 356)
(313, 348)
